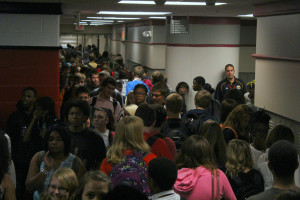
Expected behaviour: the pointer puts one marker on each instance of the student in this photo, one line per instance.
(283, 162)
(128, 148)
(244, 180)
(89, 146)
(62, 185)
(162, 174)
(93, 185)
(182, 89)
(198, 174)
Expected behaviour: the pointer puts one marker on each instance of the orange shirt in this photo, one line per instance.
(107, 167)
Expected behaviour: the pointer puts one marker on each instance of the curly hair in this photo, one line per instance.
(239, 157)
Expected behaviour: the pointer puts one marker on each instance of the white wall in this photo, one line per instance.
(29, 30)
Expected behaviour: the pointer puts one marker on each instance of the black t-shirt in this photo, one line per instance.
(89, 147)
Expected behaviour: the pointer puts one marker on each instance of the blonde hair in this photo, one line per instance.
(239, 157)
(202, 99)
(174, 103)
(67, 178)
(129, 136)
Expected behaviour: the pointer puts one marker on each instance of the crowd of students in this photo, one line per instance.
(124, 135)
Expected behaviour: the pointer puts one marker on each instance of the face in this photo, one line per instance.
(94, 190)
(79, 82)
(108, 90)
(84, 96)
(88, 123)
(100, 119)
(261, 130)
(56, 191)
(229, 72)
(140, 95)
(158, 98)
(76, 117)
(28, 98)
(95, 80)
(196, 86)
(55, 143)
(182, 90)
(245, 121)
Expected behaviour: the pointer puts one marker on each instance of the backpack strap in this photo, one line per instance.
(212, 186)
(94, 99)
(110, 138)
(151, 140)
(115, 103)
(235, 133)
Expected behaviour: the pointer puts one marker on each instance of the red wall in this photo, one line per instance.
(20, 68)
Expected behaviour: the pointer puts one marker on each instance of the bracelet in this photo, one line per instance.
(44, 171)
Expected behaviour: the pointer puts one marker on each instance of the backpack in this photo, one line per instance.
(131, 172)
(94, 99)
(247, 187)
(177, 135)
(194, 123)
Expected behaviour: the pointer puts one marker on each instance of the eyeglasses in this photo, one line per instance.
(139, 93)
(76, 113)
(156, 95)
(61, 190)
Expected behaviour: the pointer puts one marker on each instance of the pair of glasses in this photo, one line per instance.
(61, 190)
(156, 95)
(140, 93)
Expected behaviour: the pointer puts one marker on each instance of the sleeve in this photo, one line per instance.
(118, 112)
(161, 149)
(99, 152)
(244, 87)
(266, 174)
(218, 93)
(148, 158)
(128, 88)
(228, 193)
(105, 167)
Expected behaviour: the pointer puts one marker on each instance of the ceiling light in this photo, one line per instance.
(93, 20)
(172, 3)
(131, 13)
(123, 18)
(81, 23)
(157, 17)
(249, 15)
(120, 21)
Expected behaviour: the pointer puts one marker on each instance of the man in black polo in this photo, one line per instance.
(229, 83)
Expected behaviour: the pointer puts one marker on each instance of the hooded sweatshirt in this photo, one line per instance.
(196, 184)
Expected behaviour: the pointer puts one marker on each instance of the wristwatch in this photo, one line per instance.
(44, 171)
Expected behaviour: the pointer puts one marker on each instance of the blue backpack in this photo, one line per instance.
(131, 172)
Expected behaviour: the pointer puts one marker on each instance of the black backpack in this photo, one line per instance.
(177, 135)
(194, 123)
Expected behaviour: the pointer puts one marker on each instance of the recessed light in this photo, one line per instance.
(157, 17)
(248, 15)
(138, 2)
(132, 13)
(172, 3)
(94, 20)
(123, 18)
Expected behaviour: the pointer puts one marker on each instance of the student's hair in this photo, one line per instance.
(47, 103)
(212, 131)
(236, 116)
(82, 89)
(67, 178)
(157, 77)
(174, 103)
(200, 80)
(146, 113)
(161, 115)
(65, 136)
(195, 152)
(109, 80)
(94, 176)
(142, 86)
(229, 65)
(4, 156)
(227, 106)
(108, 114)
(119, 84)
(203, 99)
(129, 135)
(82, 105)
(239, 157)
(163, 172)
(161, 87)
(182, 84)
(260, 117)
(293, 194)
(236, 95)
(93, 72)
(29, 89)
(125, 192)
(283, 158)
(138, 71)
(279, 132)
(208, 87)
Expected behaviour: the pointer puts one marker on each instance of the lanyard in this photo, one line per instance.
(231, 87)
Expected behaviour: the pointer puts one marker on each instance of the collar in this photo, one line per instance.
(136, 79)
(162, 194)
(229, 81)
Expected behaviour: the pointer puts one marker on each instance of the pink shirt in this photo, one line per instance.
(196, 184)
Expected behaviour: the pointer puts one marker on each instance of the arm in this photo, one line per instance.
(218, 93)
(227, 190)
(36, 116)
(9, 188)
(35, 178)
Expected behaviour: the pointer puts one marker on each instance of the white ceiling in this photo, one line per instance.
(89, 8)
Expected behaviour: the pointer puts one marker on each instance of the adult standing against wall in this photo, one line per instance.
(229, 83)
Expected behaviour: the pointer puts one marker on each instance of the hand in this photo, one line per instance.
(38, 114)
(49, 161)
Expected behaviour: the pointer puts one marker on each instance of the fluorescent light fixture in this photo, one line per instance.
(123, 18)
(81, 23)
(131, 13)
(120, 21)
(172, 3)
(157, 17)
(249, 15)
(94, 20)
